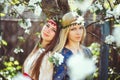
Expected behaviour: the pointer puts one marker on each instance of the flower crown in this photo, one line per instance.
(55, 21)
(72, 18)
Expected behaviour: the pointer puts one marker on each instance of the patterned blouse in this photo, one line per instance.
(60, 72)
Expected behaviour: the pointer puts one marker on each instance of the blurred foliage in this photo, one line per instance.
(10, 67)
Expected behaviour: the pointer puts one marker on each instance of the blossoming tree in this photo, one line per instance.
(103, 12)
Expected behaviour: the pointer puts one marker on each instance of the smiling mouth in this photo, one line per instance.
(45, 34)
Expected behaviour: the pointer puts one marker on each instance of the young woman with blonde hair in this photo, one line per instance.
(71, 41)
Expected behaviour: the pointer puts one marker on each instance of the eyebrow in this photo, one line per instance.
(54, 28)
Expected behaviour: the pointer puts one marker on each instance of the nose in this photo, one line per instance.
(78, 31)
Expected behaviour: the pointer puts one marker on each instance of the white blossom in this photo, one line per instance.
(74, 13)
(109, 13)
(32, 2)
(95, 59)
(111, 71)
(76, 4)
(17, 50)
(95, 48)
(9, 78)
(1, 1)
(109, 39)
(0, 78)
(101, 22)
(59, 57)
(117, 11)
(116, 35)
(56, 59)
(1, 73)
(26, 24)
(98, 5)
(37, 10)
(6, 8)
(80, 67)
(28, 21)
(11, 58)
(92, 8)
(20, 9)
(79, 19)
(7, 72)
(41, 50)
(27, 31)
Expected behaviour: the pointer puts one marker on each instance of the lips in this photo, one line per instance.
(45, 34)
(78, 37)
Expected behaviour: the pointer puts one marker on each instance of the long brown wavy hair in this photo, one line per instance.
(35, 71)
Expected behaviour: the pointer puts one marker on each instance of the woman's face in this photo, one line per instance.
(75, 33)
(48, 31)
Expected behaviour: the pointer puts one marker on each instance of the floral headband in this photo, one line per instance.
(56, 21)
(79, 20)
(72, 18)
(52, 22)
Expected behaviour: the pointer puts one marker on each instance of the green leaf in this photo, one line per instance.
(50, 59)
(20, 38)
(2, 14)
(4, 42)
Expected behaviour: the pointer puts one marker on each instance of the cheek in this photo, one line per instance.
(43, 29)
(70, 35)
(52, 34)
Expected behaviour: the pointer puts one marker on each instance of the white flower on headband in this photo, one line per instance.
(74, 14)
(80, 20)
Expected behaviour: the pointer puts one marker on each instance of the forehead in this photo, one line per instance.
(76, 25)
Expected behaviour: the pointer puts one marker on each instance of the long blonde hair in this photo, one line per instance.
(67, 19)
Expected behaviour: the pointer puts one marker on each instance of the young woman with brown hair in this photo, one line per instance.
(37, 65)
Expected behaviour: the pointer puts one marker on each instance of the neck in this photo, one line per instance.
(74, 47)
(44, 43)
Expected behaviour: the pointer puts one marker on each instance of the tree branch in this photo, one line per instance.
(112, 18)
(110, 4)
(96, 36)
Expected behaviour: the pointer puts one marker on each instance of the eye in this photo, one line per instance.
(53, 29)
(47, 25)
(72, 29)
